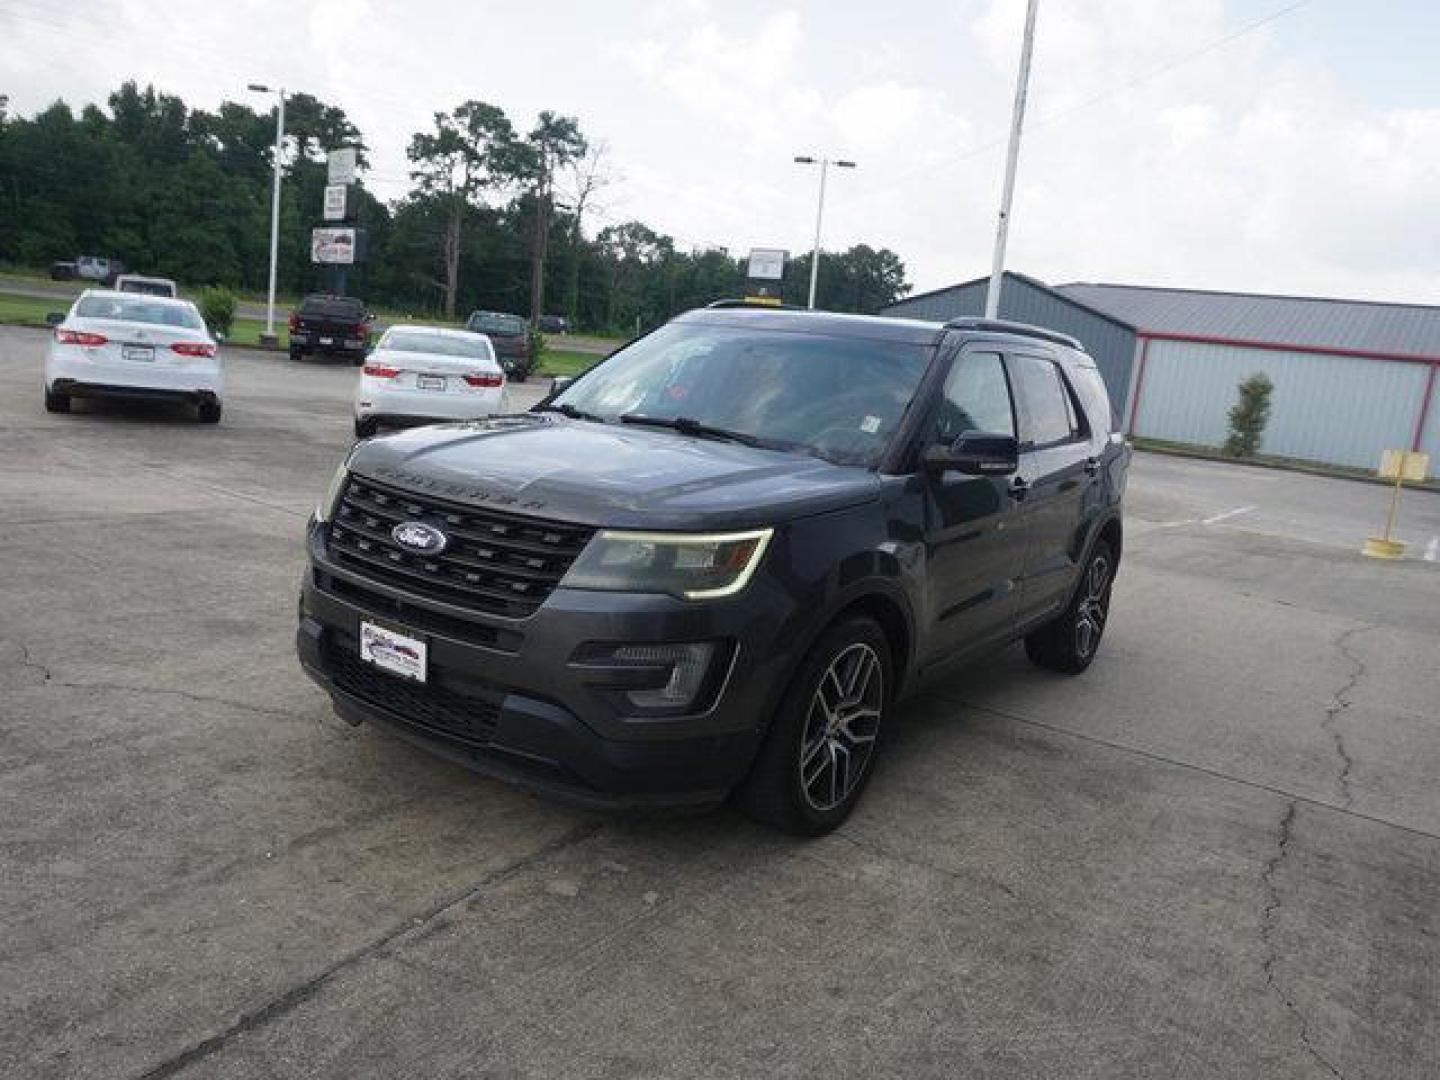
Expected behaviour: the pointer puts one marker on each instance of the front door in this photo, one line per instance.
(975, 546)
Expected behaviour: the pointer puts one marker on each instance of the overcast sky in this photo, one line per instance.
(1299, 156)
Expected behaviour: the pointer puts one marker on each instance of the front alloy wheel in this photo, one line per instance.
(841, 727)
(821, 747)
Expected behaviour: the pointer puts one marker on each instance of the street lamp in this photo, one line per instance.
(260, 88)
(824, 164)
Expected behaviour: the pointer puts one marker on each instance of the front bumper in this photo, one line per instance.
(508, 698)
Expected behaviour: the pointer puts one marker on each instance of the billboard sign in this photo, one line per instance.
(335, 247)
(336, 201)
(342, 166)
(766, 264)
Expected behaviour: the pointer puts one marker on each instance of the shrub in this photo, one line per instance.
(217, 308)
(537, 349)
(1249, 416)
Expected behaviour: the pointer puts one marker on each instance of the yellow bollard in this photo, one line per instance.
(1397, 465)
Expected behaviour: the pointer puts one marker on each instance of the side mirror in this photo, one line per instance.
(977, 453)
(55, 318)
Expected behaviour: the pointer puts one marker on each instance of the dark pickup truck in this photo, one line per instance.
(337, 325)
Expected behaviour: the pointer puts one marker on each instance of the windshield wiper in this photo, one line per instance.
(566, 409)
(689, 426)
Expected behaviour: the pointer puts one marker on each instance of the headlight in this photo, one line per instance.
(691, 566)
(326, 507)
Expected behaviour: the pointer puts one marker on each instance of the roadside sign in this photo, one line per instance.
(336, 200)
(342, 166)
(333, 246)
(766, 264)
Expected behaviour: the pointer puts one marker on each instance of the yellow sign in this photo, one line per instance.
(1404, 465)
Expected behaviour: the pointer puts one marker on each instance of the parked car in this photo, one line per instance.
(421, 374)
(98, 268)
(62, 271)
(329, 324)
(120, 345)
(147, 286)
(510, 334)
(713, 562)
(554, 324)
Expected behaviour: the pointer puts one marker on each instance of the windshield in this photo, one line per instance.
(841, 398)
(139, 309)
(474, 348)
(487, 323)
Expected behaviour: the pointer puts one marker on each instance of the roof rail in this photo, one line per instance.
(1004, 326)
(773, 303)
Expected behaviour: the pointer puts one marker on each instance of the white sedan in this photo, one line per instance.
(123, 345)
(423, 374)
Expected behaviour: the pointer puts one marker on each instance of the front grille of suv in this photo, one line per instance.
(499, 563)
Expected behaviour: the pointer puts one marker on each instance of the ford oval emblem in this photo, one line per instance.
(417, 536)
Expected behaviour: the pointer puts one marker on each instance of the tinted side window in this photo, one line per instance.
(1047, 414)
(976, 398)
(1091, 388)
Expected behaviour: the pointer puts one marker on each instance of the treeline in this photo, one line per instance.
(495, 217)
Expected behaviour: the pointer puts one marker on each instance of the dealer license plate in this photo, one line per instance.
(138, 353)
(430, 382)
(400, 654)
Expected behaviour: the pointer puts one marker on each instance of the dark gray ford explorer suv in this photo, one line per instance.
(714, 562)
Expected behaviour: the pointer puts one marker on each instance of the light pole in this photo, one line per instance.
(1017, 120)
(824, 164)
(259, 88)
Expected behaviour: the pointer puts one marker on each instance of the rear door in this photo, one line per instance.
(975, 546)
(1055, 475)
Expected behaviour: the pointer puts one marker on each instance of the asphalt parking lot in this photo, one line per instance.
(1217, 853)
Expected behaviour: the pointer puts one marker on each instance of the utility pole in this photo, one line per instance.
(1012, 156)
(258, 88)
(824, 164)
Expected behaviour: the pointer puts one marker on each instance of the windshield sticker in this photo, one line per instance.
(870, 425)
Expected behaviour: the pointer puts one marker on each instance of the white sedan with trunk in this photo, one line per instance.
(124, 345)
(425, 374)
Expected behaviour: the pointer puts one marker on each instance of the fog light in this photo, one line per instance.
(688, 667)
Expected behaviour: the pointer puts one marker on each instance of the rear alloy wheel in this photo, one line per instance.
(56, 402)
(366, 426)
(818, 755)
(1069, 644)
(210, 411)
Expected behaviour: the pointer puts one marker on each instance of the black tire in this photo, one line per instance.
(55, 402)
(805, 731)
(357, 361)
(209, 412)
(297, 354)
(520, 374)
(366, 427)
(1070, 643)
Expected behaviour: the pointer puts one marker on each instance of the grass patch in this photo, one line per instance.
(565, 362)
(29, 309)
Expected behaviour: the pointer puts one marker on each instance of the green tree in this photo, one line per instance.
(1249, 415)
(554, 143)
(472, 150)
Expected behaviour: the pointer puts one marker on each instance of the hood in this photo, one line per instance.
(610, 475)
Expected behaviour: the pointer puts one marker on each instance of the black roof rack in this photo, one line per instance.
(1004, 326)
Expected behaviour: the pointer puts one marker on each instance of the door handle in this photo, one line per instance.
(1019, 488)
(1092, 466)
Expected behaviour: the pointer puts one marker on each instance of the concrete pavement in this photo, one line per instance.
(1214, 854)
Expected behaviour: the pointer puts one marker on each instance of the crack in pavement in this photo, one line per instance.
(27, 664)
(1338, 704)
(188, 695)
(1267, 928)
(301, 992)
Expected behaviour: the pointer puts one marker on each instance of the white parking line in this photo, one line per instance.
(1432, 550)
(1227, 515)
